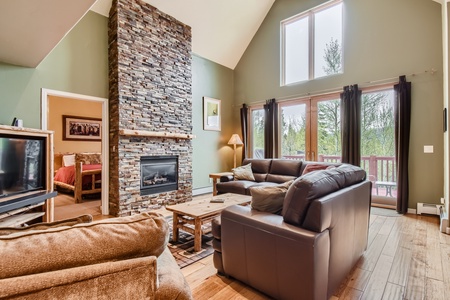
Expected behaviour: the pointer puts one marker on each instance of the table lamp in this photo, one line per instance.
(235, 140)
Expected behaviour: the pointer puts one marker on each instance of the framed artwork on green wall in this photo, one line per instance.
(211, 114)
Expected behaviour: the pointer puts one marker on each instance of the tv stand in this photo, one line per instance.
(22, 208)
(18, 210)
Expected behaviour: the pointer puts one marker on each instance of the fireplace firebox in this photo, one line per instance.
(159, 174)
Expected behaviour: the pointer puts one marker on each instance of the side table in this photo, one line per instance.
(215, 177)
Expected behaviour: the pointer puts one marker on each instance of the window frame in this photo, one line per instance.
(310, 14)
(252, 108)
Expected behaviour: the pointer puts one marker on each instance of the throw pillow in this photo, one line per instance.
(45, 226)
(314, 167)
(243, 173)
(269, 198)
(69, 160)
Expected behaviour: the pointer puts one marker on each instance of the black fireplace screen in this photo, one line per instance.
(159, 174)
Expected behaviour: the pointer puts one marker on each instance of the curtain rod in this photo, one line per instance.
(366, 84)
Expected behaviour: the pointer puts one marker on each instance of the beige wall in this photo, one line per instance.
(62, 106)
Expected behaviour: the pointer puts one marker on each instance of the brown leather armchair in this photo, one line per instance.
(308, 250)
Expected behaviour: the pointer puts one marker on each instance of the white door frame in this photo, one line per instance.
(45, 93)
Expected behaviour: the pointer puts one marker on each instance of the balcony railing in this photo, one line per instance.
(378, 168)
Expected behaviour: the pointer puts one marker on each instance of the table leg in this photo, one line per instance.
(175, 229)
(214, 186)
(198, 235)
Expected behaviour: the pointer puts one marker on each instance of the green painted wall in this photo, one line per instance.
(78, 64)
(382, 39)
(211, 152)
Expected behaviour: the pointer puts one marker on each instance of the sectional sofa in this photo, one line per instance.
(268, 172)
(307, 249)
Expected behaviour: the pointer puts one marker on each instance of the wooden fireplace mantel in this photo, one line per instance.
(161, 134)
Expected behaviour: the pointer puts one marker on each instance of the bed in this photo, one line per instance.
(79, 172)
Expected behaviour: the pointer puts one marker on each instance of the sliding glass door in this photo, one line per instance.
(310, 129)
(378, 143)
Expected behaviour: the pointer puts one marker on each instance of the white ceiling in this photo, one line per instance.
(221, 30)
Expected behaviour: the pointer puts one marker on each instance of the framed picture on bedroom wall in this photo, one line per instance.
(211, 114)
(77, 128)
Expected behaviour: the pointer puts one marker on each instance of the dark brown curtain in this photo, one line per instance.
(402, 111)
(270, 129)
(244, 128)
(351, 125)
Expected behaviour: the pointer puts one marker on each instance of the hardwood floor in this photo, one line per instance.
(407, 258)
(65, 207)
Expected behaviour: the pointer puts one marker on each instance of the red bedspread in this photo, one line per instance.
(67, 174)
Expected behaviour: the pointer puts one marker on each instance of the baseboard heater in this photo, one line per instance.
(427, 208)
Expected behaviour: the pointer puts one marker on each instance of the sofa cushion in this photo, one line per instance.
(44, 226)
(236, 187)
(315, 185)
(260, 167)
(269, 198)
(314, 167)
(285, 167)
(58, 248)
(243, 173)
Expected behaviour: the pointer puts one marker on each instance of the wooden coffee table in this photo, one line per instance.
(190, 216)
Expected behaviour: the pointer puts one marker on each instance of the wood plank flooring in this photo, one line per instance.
(407, 258)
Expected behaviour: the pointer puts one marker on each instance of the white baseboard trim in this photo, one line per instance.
(200, 191)
(412, 211)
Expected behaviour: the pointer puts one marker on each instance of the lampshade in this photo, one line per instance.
(235, 140)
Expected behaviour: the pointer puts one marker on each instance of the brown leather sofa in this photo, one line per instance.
(267, 172)
(308, 250)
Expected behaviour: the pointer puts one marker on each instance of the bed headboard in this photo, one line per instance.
(84, 157)
(88, 158)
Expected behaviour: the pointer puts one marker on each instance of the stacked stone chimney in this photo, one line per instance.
(150, 91)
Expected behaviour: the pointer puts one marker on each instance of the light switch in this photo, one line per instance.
(428, 149)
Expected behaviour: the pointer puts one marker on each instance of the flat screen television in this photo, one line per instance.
(22, 164)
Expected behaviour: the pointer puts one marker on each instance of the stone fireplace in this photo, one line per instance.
(150, 105)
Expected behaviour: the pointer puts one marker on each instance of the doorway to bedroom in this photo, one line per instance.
(80, 137)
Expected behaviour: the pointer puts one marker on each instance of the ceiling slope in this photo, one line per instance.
(221, 30)
(29, 30)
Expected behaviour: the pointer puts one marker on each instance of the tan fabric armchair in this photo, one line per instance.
(120, 258)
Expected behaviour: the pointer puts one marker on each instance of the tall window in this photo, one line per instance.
(257, 132)
(312, 44)
(294, 127)
(378, 141)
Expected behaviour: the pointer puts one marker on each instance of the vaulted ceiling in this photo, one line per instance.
(221, 30)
